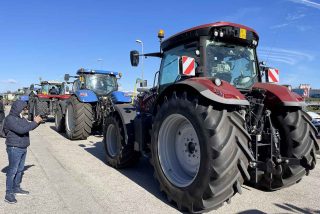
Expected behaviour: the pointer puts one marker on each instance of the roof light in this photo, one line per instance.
(161, 34)
(254, 42)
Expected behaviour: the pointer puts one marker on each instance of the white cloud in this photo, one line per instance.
(291, 57)
(279, 26)
(9, 81)
(243, 12)
(303, 28)
(295, 16)
(291, 19)
(307, 3)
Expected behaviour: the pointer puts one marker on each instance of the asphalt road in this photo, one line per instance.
(71, 177)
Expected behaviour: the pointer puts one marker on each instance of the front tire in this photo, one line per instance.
(119, 146)
(78, 119)
(59, 120)
(197, 153)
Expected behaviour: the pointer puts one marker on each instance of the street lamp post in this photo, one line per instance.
(140, 42)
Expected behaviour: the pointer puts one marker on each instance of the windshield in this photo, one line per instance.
(101, 84)
(232, 63)
(51, 89)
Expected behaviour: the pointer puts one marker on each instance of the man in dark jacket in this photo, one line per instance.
(17, 130)
(2, 116)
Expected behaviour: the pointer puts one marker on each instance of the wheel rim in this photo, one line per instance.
(69, 118)
(179, 150)
(57, 118)
(112, 140)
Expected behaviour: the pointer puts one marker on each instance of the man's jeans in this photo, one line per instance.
(17, 157)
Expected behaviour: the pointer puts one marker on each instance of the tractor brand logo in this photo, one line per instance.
(188, 66)
(83, 94)
(273, 75)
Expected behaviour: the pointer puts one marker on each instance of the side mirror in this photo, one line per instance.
(66, 77)
(156, 78)
(32, 87)
(187, 66)
(262, 67)
(134, 58)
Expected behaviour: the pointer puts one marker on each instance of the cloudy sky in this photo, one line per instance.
(50, 38)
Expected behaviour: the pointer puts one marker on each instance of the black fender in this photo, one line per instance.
(127, 113)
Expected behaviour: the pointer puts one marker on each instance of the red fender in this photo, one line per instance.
(49, 96)
(279, 94)
(225, 93)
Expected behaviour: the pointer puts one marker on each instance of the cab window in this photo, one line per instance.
(170, 64)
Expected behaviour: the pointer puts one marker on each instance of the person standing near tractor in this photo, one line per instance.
(17, 128)
(2, 116)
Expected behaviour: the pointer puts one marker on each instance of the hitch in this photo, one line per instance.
(266, 147)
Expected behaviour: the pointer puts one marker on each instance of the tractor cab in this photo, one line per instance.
(220, 51)
(50, 88)
(99, 81)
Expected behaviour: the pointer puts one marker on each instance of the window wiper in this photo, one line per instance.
(170, 63)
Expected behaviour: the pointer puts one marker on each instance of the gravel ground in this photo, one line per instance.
(71, 177)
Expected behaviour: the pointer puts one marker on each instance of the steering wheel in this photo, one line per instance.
(241, 80)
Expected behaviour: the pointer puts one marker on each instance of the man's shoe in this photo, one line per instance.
(9, 198)
(21, 192)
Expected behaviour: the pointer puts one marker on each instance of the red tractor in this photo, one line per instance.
(42, 100)
(210, 123)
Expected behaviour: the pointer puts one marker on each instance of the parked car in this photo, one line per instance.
(315, 120)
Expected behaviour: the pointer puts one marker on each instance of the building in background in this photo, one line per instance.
(314, 93)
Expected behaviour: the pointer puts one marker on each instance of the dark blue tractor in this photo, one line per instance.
(93, 95)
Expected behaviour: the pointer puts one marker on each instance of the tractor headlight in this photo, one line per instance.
(217, 82)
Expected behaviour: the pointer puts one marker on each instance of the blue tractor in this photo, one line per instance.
(93, 95)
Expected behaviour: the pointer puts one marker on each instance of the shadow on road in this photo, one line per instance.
(141, 173)
(295, 209)
(4, 170)
(63, 134)
(253, 211)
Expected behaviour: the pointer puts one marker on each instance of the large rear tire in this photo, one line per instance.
(59, 120)
(119, 146)
(78, 119)
(297, 140)
(30, 110)
(42, 108)
(198, 153)
(37, 107)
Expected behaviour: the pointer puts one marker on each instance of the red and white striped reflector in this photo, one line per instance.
(273, 75)
(188, 66)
